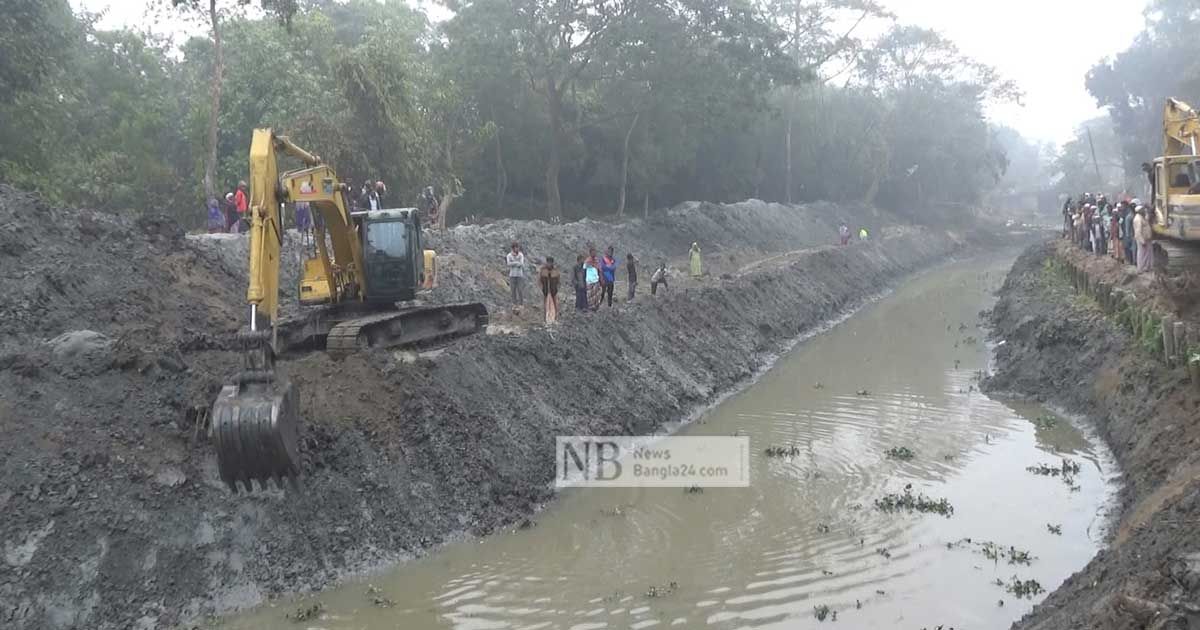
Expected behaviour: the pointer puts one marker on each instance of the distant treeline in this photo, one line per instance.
(524, 108)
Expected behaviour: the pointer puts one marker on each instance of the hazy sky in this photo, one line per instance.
(1047, 46)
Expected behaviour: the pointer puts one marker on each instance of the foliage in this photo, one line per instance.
(33, 35)
(517, 108)
(1134, 85)
(1152, 340)
(908, 502)
(1045, 422)
(1079, 169)
(1022, 588)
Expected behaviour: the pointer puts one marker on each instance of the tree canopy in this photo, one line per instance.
(521, 108)
(1162, 61)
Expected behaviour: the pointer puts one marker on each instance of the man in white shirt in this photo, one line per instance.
(516, 273)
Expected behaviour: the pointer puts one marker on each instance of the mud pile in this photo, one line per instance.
(730, 236)
(1059, 347)
(113, 346)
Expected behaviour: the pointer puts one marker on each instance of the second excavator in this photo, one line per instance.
(362, 267)
(1175, 176)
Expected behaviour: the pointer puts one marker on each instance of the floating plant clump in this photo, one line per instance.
(908, 502)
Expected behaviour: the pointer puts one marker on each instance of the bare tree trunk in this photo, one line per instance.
(646, 206)
(787, 150)
(448, 198)
(791, 107)
(501, 173)
(880, 171)
(210, 162)
(447, 194)
(553, 162)
(625, 164)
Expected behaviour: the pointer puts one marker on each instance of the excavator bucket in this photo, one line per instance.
(255, 429)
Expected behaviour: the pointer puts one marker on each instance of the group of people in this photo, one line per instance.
(1121, 230)
(593, 278)
(844, 233)
(228, 214)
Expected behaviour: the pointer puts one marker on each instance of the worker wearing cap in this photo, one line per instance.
(1143, 234)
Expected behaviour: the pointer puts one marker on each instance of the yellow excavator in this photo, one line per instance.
(1175, 177)
(362, 266)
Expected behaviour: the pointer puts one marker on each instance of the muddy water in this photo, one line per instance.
(806, 533)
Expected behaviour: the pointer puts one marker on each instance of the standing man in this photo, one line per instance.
(631, 268)
(231, 215)
(380, 192)
(579, 281)
(1130, 238)
(429, 203)
(241, 203)
(1143, 235)
(844, 233)
(516, 274)
(548, 277)
(1114, 232)
(608, 272)
(1068, 223)
(659, 277)
(216, 220)
(694, 261)
(591, 268)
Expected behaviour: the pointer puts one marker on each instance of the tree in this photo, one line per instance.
(33, 37)
(213, 13)
(935, 116)
(818, 35)
(1134, 85)
(552, 43)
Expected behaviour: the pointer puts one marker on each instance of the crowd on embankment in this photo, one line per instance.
(1121, 230)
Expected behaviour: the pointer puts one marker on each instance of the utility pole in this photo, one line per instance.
(1095, 164)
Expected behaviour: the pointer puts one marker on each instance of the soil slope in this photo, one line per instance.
(1060, 348)
(113, 341)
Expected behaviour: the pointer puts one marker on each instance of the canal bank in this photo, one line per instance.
(117, 516)
(1069, 338)
(884, 401)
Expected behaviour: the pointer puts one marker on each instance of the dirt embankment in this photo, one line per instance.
(1061, 347)
(114, 515)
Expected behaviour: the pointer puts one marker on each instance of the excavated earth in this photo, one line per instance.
(114, 340)
(1059, 347)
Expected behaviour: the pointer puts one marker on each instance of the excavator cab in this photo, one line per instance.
(393, 259)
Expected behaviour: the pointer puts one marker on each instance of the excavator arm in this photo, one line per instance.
(318, 185)
(255, 419)
(1181, 129)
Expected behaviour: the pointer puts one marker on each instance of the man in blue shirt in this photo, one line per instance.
(608, 271)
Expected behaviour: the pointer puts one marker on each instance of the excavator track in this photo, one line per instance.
(406, 327)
